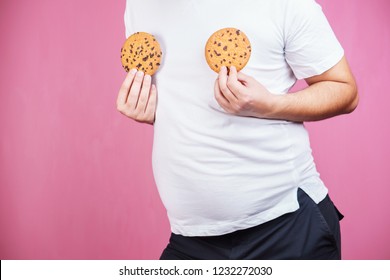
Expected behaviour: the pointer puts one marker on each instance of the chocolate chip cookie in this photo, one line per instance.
(142, 52)
(228, 47)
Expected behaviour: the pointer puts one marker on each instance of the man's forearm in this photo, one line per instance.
(319, 101)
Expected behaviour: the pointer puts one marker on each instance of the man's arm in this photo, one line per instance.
(330, 94)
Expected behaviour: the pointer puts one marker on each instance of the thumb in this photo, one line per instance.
(243, 78)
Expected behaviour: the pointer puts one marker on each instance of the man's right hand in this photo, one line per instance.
(137, 97)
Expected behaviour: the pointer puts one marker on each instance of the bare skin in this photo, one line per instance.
(137, 98)
(330, 94)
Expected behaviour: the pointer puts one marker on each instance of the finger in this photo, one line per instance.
(144, 95)
(150, 110)
(233, 83)
(222, 82)
(222, 101)
(125, 87)
(135, 90)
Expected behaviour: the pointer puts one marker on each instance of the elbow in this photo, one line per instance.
(353, 105)
(354, 99)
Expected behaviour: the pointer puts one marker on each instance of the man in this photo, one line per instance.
(231, 157)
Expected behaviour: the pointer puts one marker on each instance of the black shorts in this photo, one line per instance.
(311, 232)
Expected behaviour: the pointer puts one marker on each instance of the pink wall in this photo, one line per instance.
(75, 175)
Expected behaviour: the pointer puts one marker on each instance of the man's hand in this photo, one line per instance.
(137, 97)
(242, 95)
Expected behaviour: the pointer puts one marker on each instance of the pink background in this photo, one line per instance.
(75, 175)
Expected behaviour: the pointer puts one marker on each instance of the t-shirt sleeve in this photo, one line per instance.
(311, 46)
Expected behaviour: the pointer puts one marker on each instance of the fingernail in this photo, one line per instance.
(140, 73)
(133, 71)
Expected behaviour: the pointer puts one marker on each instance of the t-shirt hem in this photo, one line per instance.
(221, 229)
(314, 188)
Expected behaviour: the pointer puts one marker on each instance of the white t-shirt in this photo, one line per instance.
(217, 173)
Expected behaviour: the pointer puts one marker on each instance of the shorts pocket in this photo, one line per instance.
(323, 227)
(332, 217)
